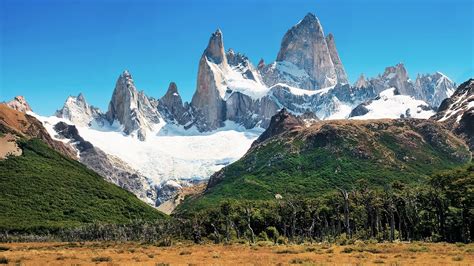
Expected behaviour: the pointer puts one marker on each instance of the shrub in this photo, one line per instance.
(457, 258)
(263, 236)
(347, 250)
(287, 251)
(281, 240)
(301, 261)
(185, 252)
(101, 259)
(272, 233)
(3, 260)
(3, 248)
(379, 261)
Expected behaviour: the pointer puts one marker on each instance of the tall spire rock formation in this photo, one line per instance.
(208, 100)
(132, 109)
(305, 46)
(340, 72)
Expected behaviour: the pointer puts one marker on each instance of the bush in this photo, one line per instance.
(101, 259)
(262, 236)
(458, 258)
(3, 260)
(3, 248)
(185, 252)
(301, 261)
(272, 233)
(281, 240)
(287, 251)
(347, 250)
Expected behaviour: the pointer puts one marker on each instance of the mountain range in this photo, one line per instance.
(155, 147)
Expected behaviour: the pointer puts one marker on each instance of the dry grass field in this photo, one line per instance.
(262, 253)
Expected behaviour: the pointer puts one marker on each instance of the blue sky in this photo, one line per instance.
(52, 49)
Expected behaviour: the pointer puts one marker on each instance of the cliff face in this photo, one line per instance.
(207, 102)
(132, 109)
(305, 46)
(457, 112)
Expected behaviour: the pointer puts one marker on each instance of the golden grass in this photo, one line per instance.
(106, 253)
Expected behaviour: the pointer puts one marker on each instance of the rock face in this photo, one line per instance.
(171, 106)
(305, 46)
(394, 77)
(281, 122)
(20, 104)
(78, 111)
(457, 112)
(207, 102)
(109, 167)
(340, 72)
(132, 109)
(434, 88)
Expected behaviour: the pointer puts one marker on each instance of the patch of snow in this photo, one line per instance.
(291, 69)
(170, 152)
(389, 105)
(301, 92)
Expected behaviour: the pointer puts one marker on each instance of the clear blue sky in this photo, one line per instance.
(52, 49)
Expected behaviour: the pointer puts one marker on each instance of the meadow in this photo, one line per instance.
(261, 253)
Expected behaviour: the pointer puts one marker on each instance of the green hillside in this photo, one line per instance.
(43, 189)
(310, 161)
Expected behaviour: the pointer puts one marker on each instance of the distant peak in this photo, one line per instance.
(310, 17)
(126, 74)
(172, 88)
(20, 104)
(81, 97)
(215, 48)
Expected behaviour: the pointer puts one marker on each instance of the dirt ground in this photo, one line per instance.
(235, 254)
(8, 146)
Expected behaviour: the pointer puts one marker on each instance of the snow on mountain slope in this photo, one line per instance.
(170, 152)
(232, 80)
(389, 104)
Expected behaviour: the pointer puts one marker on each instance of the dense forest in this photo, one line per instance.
(440, 210)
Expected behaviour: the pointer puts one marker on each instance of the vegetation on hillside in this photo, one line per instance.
(43, 190)
(308, 162)
(440, 210)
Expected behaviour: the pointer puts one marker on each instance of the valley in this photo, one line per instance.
(286, 161)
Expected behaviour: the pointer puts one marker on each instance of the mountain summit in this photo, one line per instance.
(305, 46)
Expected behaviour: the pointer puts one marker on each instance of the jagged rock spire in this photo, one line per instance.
(78, 111)
(340, 72)
(305, 46)
(132, 109)
(215, 49)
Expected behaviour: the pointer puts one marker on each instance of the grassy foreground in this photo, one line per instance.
(262, 253)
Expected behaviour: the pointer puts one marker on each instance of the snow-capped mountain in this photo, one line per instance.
(78, 111)
(434, 88)
(391, 104)
(164, 144)
(133, 110)
(457, 112)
